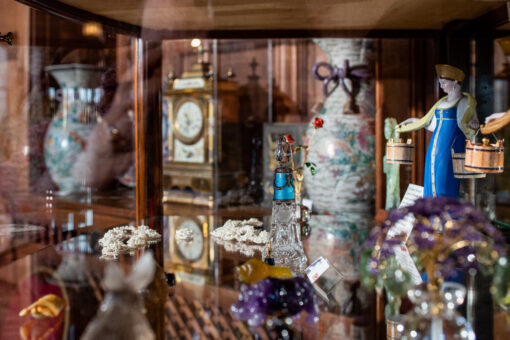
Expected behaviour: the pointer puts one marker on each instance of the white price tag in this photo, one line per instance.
(406, 262)
(405, 226)
(307, 203)
(317, 268)
(413, 193)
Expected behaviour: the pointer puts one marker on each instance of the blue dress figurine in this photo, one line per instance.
(452, 119)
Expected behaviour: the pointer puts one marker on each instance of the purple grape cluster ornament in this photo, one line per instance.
(285, 297)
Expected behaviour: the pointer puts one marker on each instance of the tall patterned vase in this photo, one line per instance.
(70, 127)
(344, 149)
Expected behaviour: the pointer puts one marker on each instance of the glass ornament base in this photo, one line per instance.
(434, 316)
(286, 246)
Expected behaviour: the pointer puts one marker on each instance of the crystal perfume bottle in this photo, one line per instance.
(287, 249)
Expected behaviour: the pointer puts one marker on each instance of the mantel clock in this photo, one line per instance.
(196, 135)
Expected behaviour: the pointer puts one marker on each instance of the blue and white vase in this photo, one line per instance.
(69, 129)
(344, 149)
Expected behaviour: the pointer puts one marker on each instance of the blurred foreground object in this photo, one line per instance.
(121, 313)
(49, 305)
(434, 316)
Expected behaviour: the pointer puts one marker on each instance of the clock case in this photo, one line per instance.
(196, 182)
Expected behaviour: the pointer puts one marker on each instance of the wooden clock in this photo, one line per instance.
(197, 134)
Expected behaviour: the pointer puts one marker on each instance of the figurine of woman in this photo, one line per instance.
(452, 119)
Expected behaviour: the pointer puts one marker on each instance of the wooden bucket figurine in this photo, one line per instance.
(399, 153)
(485, 157)
(458, 160)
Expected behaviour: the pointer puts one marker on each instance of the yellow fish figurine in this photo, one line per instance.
(255, 270)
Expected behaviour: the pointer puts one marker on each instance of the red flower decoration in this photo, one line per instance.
(317, 123)
(289, 138)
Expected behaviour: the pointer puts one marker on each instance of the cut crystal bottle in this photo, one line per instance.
(287, 249)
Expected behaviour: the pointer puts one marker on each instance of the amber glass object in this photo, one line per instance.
(255, 270)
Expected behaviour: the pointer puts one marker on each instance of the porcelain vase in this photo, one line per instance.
(344, 149)
(70, 127)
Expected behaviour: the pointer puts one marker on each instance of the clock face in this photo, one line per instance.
(192, 250)
(189, 122)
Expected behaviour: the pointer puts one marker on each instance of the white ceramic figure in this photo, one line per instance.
(452, 119)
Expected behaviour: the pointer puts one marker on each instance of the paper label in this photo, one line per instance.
(413, 192)
(307, 203)
(405, 226)
(407, 263)
(317, 268)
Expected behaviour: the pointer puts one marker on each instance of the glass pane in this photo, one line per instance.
(67, 141)
(265, 126)
(499, 197)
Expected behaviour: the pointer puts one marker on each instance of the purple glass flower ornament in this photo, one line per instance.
(287, 297)
(443, 226)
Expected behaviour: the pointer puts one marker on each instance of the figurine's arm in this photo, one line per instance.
(495, 122)
(415, 123)
(494, 116)
(466, 115)
(431, 126)
(427, 121)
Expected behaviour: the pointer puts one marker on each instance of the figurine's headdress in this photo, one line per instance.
(450, 72)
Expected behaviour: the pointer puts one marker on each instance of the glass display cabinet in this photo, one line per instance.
(168, 114)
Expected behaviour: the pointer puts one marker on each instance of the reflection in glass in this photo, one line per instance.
(72, 124)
